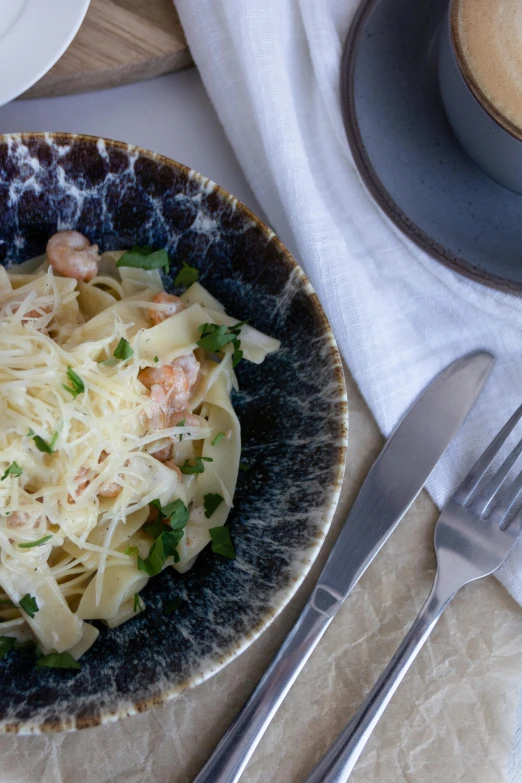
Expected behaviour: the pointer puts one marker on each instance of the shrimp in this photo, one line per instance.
(83, 484)
(172, 381)
(172, 465)
(173, 305)
(109, 490)
(22, 519)
(190, 366)
(163, 454)
(188, 419)
(71, 254)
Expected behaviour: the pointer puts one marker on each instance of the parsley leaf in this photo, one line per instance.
(221, 542)
(214, 337)
(178, 514)
(42, 444)
(166, 538)
(144, 258)
(123, 350)
(163, 547)
(170, 606)
(238, 353)
(189, 469)
(219, 437)
(181, 424)
(12, 470)
(186, 275)
(136, 603)
(6, 643)
(77, 385)
(40, 541)
(62, 660)
(131, 550)
(29, 605)
(30, 433)
(156, 359)
(28, 648)
(211, 502)
(154, 529)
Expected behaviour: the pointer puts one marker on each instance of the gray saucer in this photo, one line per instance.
(406, 151)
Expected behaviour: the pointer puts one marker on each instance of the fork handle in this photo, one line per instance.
(340, 759)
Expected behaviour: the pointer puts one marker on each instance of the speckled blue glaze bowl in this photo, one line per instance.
(292, 410)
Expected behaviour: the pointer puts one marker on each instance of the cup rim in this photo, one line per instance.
(458, 50)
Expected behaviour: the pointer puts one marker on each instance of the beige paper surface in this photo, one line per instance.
(451, 721)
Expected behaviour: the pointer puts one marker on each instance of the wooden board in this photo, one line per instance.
(120, 41)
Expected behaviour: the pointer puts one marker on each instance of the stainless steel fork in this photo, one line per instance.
(473, 536)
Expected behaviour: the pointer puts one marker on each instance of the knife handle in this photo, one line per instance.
(231, 756)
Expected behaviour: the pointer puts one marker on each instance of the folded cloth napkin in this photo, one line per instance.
(272, 69)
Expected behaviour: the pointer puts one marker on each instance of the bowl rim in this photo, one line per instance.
(286, 593)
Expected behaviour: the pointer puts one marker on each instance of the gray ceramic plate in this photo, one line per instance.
(406, 151)
(292, 410)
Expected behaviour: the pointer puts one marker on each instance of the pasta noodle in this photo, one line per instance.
(119, 445)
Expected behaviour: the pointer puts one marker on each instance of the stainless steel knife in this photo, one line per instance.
(393, 483)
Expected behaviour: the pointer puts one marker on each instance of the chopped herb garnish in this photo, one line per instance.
(131, 550)
(219, 437)
(136, 603)
(123, 350)
(163, 547)
(189, 468)
(211, 502)
(42, 444)
(144, 258)
(77, 385)
(244, 467)
(6, 602)
(186, 275)
(40, 541)
(28, 648)
(156, 359)
(154, 529)
(112, 362)
(181, 424)
(171, 606)
(177, 514)
(166, 538)
(30, 433)
(29, 605)
(12, 470)
(221, 542)
(62, 660)
(6, 643)
(215, 336)
(238, 353)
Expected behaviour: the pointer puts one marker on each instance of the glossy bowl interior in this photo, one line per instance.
(292, 410)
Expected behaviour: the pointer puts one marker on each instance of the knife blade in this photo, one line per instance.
(393, 483)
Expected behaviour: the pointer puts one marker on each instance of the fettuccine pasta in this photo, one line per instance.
(119, 445)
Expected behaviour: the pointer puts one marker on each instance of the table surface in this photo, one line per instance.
(173, 115)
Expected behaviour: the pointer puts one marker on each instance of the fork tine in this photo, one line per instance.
(487, 494)
(502, 510)
(515, 526)
(483, 462)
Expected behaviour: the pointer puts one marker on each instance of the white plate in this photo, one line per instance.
(33, 36)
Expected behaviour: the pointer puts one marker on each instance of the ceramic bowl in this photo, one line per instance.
(292, 410)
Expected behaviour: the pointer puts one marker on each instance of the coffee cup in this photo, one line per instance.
(478, 60)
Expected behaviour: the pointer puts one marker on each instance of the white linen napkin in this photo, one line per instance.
(271, 68)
